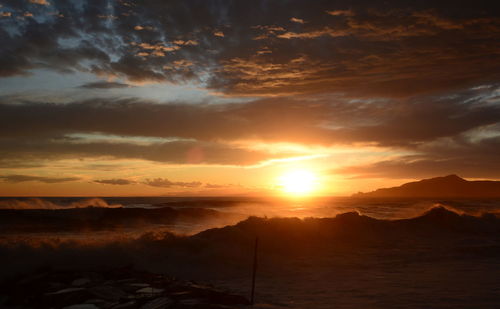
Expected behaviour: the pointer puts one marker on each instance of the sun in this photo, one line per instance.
(298, 182)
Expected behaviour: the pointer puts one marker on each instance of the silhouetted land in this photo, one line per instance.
(451, 186)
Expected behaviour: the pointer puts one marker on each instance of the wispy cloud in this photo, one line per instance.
(104, 85)
(116, 181)
(24, 178)
(165, 183)
(340, 13)
(40, 2)
(297, 20)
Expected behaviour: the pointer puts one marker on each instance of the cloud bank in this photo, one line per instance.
(397, 48)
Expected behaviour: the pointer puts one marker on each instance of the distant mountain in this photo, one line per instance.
(450, 186)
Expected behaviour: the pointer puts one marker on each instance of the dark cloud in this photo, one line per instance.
(104, 85)
(37, 45)
(217, 186)
(394, 48)
(24, 178)
(180, 152)
(8, 162)
(165, 183)
(474, 159)
(414, 122)
(116, 181)
(206, 133)
(323, 120)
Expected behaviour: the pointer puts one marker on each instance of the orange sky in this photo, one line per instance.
(219, 99)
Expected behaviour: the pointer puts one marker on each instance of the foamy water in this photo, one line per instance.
(439, 259)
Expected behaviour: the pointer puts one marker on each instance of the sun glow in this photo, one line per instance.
(298, 182)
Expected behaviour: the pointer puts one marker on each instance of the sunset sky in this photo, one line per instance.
(158, 97)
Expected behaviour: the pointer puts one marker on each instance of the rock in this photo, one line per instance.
(192, 301)
(181, 293)
(150, 290)
(217, 297)
(64, 298)
(131, 286)
(127, 280)
(108, 292)
(55, 285)
(82, 306)
(158, 303)
(113, 289)
(100, 303)
(64, 291)
(94, 276)
(80, 282)
(127, 305)
(33, 278)
(199, 286)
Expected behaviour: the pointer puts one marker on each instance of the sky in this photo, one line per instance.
(214, 97)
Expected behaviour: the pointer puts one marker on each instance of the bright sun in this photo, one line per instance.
(298, 182)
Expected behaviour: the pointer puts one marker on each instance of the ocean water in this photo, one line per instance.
(312, 253)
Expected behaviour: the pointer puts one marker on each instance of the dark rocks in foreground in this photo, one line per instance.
(118, 288)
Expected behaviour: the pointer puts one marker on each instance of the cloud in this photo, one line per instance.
(424, 168)
(321, 120)
(222, 134)
(8, 161)
(181, 152)
(219, 33)
(165, 183)
(24, 178)
(313, 34)
(104, 85)
(182, 64)
(140, 28)
(473, 159)
(116, 181)
(204, 122)
(340, 13)
(185, 42)
(217, 186)
(398, 49)
(401, 75)
(297, 20)
(40, 2)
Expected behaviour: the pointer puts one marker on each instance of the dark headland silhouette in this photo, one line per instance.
(451, 186)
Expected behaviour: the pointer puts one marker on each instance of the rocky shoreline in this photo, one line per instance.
(117, 289)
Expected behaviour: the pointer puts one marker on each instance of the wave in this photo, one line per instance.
(439, 228)
(36, 215)
(348, 247)
(37, 203)
(353, 228)
(92, 218)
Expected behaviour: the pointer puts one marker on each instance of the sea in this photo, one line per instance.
(321, 252)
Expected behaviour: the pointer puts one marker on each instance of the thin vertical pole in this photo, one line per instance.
(254, 269)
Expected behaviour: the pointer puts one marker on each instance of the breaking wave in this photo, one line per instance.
(37, 203)
(438, 227)
(347, 255)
